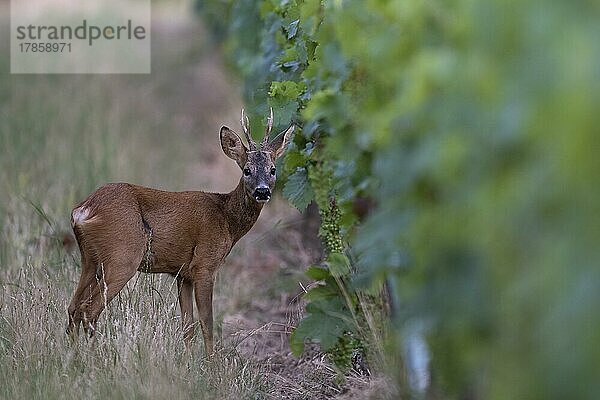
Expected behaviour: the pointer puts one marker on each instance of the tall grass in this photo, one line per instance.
(138, 351)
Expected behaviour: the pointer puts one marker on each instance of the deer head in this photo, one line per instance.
(257, 161)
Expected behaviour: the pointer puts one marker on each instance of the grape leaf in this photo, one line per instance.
(298, 190)
(325, 323)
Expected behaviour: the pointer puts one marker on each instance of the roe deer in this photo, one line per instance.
(123, 228)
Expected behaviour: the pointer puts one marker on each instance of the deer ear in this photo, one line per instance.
(232, 146)
(279, 144)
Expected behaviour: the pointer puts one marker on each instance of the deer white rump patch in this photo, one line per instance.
(79, 215)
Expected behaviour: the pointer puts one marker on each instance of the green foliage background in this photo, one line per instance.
(473, 128)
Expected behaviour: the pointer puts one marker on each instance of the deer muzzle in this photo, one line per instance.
(262, 194)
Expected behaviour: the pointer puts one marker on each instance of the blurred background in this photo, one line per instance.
(446, 160)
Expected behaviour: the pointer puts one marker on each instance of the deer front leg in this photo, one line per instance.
(203, 288)
(186, 303)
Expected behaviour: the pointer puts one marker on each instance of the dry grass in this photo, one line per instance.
(138, 351)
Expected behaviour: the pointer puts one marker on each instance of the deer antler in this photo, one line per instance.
(246, 128)
(265, 140)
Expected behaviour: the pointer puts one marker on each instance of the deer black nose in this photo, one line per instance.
(262, 193)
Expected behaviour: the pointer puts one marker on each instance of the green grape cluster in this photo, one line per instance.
(329, 232)
(342, 354)
(320, 180)
(330, 228)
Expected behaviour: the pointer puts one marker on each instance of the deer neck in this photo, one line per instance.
(242, 211)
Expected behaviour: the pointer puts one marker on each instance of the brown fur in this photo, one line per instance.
(123, 228)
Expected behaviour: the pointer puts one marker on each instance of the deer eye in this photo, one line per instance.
(273, 171)
(247, 171)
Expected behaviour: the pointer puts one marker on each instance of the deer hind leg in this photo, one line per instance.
(87, 281)
(203, 289)
(186, 303)
(111, 276)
